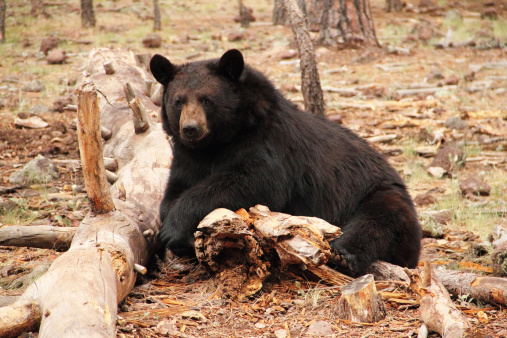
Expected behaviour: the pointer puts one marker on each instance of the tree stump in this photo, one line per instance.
(360, 301)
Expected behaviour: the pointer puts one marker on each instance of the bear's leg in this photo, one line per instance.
(385, 227)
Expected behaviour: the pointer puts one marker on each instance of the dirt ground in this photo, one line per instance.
(365, 89)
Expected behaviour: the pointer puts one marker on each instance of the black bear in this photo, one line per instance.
(238, 142)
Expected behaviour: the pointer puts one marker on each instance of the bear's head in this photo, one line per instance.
(205, 102)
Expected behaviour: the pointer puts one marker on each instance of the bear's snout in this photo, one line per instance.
(191, 130)
(193, 126)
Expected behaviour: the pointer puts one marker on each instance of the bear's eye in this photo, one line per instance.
(205, 101)
(178, 102)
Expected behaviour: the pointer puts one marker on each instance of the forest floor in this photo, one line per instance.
(368, 90)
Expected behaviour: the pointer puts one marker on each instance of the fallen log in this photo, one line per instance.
(436, 309)
(487, 289)
(244, 248)
(78, 296)
(37, 236)
(388, 105)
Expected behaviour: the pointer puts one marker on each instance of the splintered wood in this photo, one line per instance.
(244, 248)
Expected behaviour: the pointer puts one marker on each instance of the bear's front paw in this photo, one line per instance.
(344, 262)
(182, 247)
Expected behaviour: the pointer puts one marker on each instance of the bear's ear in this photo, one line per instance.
(162, 69)
(231, 64)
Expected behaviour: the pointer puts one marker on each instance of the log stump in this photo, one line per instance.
(360, 301)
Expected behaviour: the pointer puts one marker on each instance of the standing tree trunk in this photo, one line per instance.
(3, 8)
(346, 23)
(37, 8)
(280, 14)
(244, 16)
(310, 81)
(87, 14)
(156, 13)
(394, 5)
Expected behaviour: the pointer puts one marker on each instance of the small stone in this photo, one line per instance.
(48, 43)
(36, 86)
(424, 199)
(234, 36)
(260, 325)
(498, 237)
(474, 186)
(320, 328)
(39, 109)
(449, 158)
(152, 40)
(33, 122)
(489, 13)
(426, 3)
(38, 170)
(435, 74)
(455, 122)
(56, 57)
(61, 102)
(437, 172)
(299, 302)
(451, 80)
(281, 333)
(288, 54)
(425, 32)
(166, 328)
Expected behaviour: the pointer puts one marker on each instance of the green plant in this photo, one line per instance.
(18, 215)
(63, 221)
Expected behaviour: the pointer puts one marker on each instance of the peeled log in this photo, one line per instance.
(487, 289)
(360, 301)
(37, 236)
(436, 309)
(78, 296)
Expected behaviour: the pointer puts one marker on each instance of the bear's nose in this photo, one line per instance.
(190, 130)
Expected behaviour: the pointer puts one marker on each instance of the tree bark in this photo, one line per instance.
(3, 9)
(37, 236)
(341, 23)
(37, 8)
(157, 25)
(394, 5)
(90, 145)
(310, 81)
(78, 296)
(244, 16)
(87, 14)
(436, 309)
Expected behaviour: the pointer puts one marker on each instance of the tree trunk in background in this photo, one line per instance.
(310, 81)
(344, 23)
(156, 13)
(37, 8)
(244, 16)
(87, 14)
(280, 14)
(3, 9)
(394, 5)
